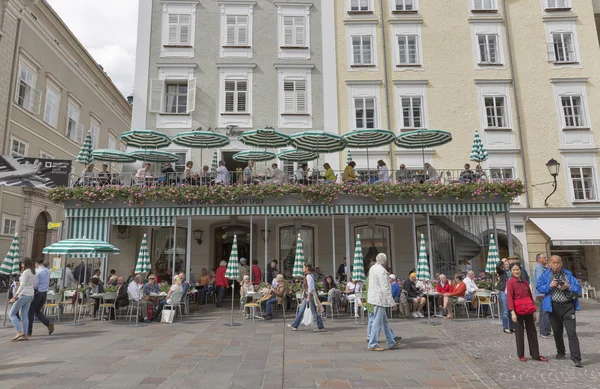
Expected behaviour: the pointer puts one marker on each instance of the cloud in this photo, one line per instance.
(108, 30)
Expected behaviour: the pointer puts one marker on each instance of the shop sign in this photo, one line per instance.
(230, 131)
(579, 242)
(53, 226)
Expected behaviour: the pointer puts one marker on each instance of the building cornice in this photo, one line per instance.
(177, 65)
(491, 81)
(360, 21)
(364, 82)
(579, 150)
(410, 82)
(292, 4)
(562, 18)
(407, 20)
(294, 66)
(236, 65)
(555, 212)
(570, 79)
(491, 19)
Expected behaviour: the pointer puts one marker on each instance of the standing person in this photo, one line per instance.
(502, 270)
(520, 300)
(221, 283)
(343, 271)
(560, 290)
(222, 177)
(544, 317)
(247, 173)
(311, 299)
(22, 299)
(272, 273)
(379, 295)
(256, 273)
(244, 269)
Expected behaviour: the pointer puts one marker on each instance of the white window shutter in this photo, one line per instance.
(184, 29)
(550, 52)
(288, 97)
(299, 22)
(156, 93)
(230, 33)
(173, 24)
(36, 101)
(301, 103)
(191, 97)
(242, 25)
(79, 128)
(288, 31)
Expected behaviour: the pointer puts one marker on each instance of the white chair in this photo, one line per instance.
(484, 298)
(131, 306)
(68, 300)
(255, 308)
(585, 292)
(176, 298)
(463, 303)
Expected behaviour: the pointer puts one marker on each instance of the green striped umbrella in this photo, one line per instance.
(358, 267)
(478, 151)
(10, 265)
(153, 156)
(85, 153)
(318, 141)
(299, 260)
(365, 139)
(81, 246)
(493, 257)
(255, 155)
(214, 162)
(108, 155)
(420, 139)
(143, 262)
(145, 139)
(201, 140)
(233, 268)
(348, 158)
(422, 264)
(264, 137)
(297, 156)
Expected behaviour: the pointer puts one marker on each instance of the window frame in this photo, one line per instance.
(362, 62)
(481, 61)
(179, 49)
(49, 115)
(295, 110)
(294, 50)
(159, 95)
(32, 99)
(564, 50)
(77, 131)
(111, 139)
(495, 116)
(6, 217)
(237, 29)
(567, 7)
(310, 248)
(583, 189)
(583, 114)
(238, 49)
(493, 6)
(21, 142)
(350, 4)
(559, 26)
(236, 94)
(45, 155)
(501, 172)
(417, 50)
(95, 130)
(364, 117)
(178, 42)
(395, 10)
(411, 117)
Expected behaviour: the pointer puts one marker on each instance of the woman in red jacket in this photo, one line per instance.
(458, 291)
(443, 287)
(221, 283)
(517, 288)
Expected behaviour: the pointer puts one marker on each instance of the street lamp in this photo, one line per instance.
(265, 235)
(553, 168)
(198, 236)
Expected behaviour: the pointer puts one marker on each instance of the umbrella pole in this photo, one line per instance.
(231, 323)
(6, 307)
(430, 251)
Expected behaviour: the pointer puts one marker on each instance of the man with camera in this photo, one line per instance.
(560, 291)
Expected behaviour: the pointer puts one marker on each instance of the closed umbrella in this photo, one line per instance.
(493, 257)
(478, 151)
(85, 153)
(297, 156)
(213, 167)
(143, 261)
(368, 138)
(201, 140)
(233, 273)
(299, 259)
(255, 155)
(153, 156)
(358, 269)
(423, 273)
(420, 139)
(348, 157)
(10, 266)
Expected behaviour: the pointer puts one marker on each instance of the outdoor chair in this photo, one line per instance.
(255, 308)
(283, 301)
(463, 303)
(133, 305)
(176, 299)
(105, 305)
(52, 303)
(330, 307)
(68, 301)
(484, 298)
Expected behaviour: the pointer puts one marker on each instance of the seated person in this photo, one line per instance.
(383, 176)
(467, 175)
(471, 285)
(349, 172)
(402, 175)
(247, 174)
(276, 297)
(444, 288)
(246, 297)
(205, 177)
(415, 296)
(210, 288)
(431, 173)
(104, 176)
(190, 177)
(204, 279)
(395, 288)
(458, 293)
(351, 288)
(329, 175)
(170, 177)
(301, 174)
(95, 287)
(175, 288)
(122, 298)
(151, 286)
(137, 295)
(277, 176)
(112, 278)
(479, 173)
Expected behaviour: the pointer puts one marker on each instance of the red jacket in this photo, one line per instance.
(256, 275)
(220, 279)
(447, 288)
(515, 290)
(459, 289)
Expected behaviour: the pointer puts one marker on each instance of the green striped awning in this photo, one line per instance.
(297, 156)
(368, 138)
(88, 227)
(145, 139)
(255, 155)
(153, 156)
(157, 221)
(423, 138)
(108, 155)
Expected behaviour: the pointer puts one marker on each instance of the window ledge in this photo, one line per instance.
(404, 12)
(363, 66)
(498, 129)
(173, 113)
(178, 46)
(294, 47)
(235, 113)
(294, 114)
(410, 129)
(565, 62)
(580, 202)
(235, 47)
(360, 12)
(489, 64)
(409, 65)
(576, 128)
(558, 9)
(484, 11)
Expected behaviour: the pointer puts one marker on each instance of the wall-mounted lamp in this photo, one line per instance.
(553, 168)
(265, 235)
(198, 236)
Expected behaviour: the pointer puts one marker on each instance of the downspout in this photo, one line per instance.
(385, 80)
(516, 98)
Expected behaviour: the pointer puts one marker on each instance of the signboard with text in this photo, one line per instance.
(34, 172)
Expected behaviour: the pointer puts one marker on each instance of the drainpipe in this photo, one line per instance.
(385, 80)
(516, 98)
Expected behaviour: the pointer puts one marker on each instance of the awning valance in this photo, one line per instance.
(570, 231)
(90, 228)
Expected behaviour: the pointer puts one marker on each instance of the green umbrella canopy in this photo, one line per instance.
(145, 139)
(318, 142)
(233, 268)
(153, 156)
(368, 138)
(299, 259)
(81, 246)
(423, 138)
(143, 261)
(358, 267)
(478, 151)
(255, 155)
(201, 139)
(85, 153)
(264, 137)
(214, 162)
(10, 264)
(422, 264)
(297, 156)
(493, 257)
(108, 155)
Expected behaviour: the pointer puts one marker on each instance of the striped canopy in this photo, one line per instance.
(108, 155)
(10, 265)
(214, 162)
(423, 138)
(201, 139)
(364, 139)
(145, 139)
(358, 269)
(478, 151)
(233, 267)
(348, 157)
(143, 261)
(299, 259)
(85, 153)
(81, 246)
(422, 264)
(318, 141)
(255, 155)
(264, 137)
(493, 257)
(153, 156)
(297, 156)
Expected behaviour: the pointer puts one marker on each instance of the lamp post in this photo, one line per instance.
(553, 168)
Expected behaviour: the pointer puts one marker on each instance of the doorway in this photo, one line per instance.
(40, 234)
(224, 242)
(233, 166)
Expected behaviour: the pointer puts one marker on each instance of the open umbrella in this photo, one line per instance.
(493, 257)
(201, 140)
(153, 156)
(255, 155)
(318, 142)
(143, 261)
(297, 156)
(299, 259)
(264, 137)
(145, 139)
(423, 273)
(233, 273)
(85, 153)
(368, 138)
(478, 151)
(420, 139)
(10, 266)
(108, 155)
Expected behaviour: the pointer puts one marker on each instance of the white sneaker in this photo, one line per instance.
(414, 314)
(420, 314)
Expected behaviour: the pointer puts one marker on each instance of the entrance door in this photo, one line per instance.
(40, 234)
(233, 166)
(224, 242)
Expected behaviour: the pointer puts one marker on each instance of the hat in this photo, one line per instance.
(393, 276)
(412, 275)
(243, 259)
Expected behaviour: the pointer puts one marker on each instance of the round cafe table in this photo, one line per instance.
(434, 295)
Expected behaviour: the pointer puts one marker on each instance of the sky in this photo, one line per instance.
(107, 29)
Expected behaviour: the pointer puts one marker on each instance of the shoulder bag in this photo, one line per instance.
(524, 306)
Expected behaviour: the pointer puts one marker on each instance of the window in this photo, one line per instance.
(95, 132)
(556, 5)
(360, 5)
(179, 30)
(364, 112)
(562, 49)
(26, 95)
(45, 155)
(179, 166)
(484, 6)
(362, 50)
(51, 106)
(112, 142)
(582, 179)
(572, 111)
(9, 225)
(407, 50)
(373, 241)
(176, 101)
(288, 237)
(173, 97)
(236, 95)
(404, 6)
(501, 174)
(237, 30)
(293, 24)
(18, 148)
(74, 128)
(495, 111)
(295, 96)
(294, 28)
(488, 49)
(412, 112)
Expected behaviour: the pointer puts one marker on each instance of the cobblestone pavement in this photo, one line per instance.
(201, 352)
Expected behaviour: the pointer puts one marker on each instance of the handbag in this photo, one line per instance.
(307, 319)
(167, 316)
(524, 306)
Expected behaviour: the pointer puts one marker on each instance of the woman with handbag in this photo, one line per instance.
(310, 300)
(522, 307)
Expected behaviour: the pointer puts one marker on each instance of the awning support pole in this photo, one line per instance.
(267, 269)
(511, 249)
(333, 243)
(414, 238)
(188, 251)
(174, 247)
(495, 229)
(347, 227)
(250, 255)
(429, 246)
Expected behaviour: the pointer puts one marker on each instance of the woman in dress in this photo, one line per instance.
(383, 175)
(21, 300)
(329, 174)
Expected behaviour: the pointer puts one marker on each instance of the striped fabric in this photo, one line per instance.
(91, 247)
(201, 139)
(493, 256)
(143, 261)
(423, 138)
(213, 167)
(348, 157)
(233, 267)
(88, 227)
(264, 137)
(478, 151)
(162, 221)
(145, 139)
(153, 156)
(365, 139)
(318, 141)
(422, 264)
(85, 153)
(10, 265)
(299, 259)
(255, 155)
(297, 156)
(358, 269)
(107, 155)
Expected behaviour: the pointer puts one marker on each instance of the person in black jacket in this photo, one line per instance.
(122, 297)
(502, 270)
(415, 296)
(170, 174)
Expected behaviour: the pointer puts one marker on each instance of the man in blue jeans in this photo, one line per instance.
(544, 317)
(379, 296)
(42, 284)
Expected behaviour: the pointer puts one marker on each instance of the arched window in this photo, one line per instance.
(374, 240)
(288, 237)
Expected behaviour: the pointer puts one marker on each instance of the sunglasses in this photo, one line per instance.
(151, 278)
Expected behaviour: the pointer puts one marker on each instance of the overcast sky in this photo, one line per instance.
(107, 29)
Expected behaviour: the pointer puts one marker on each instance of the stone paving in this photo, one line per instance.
(201, 352)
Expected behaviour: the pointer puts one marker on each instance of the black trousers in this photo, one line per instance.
(35, 310)
(220, 295)
(563, 316)
(526, 323)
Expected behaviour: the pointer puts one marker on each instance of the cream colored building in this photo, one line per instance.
(524, 73)
(52, 93)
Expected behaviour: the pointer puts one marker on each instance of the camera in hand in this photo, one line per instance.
(558, 279)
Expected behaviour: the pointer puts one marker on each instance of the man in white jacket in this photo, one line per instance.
(380, 297)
